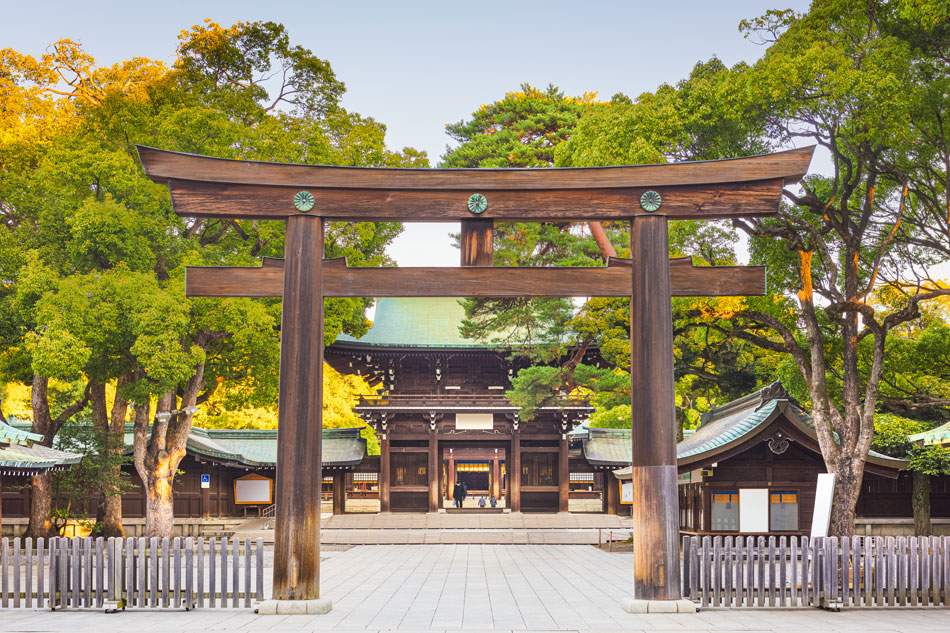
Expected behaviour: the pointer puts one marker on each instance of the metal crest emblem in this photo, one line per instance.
(477, 203)
(650, 201)
(303, 201)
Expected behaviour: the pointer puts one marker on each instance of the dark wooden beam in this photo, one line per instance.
(340, 280)
(656, 558)
(161, 166)
(299, 416)
(478, 248)
(267, 202)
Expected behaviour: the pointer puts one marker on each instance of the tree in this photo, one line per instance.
(84, 212)
(689, 121)
(94, 476)
(891, 438)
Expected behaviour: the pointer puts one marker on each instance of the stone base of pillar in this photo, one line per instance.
(632, 605)
(295, 607)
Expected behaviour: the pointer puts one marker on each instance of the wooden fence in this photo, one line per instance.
(823, 572)
(131, 573)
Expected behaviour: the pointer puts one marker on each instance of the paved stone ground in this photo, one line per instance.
(481, 588)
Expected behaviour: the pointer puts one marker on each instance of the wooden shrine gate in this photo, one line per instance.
(306, 196)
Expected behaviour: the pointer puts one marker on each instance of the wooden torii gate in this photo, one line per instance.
(307, 195)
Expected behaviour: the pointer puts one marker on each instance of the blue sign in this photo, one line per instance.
(206, 481)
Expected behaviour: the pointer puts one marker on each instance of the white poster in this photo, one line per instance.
(824, 491)
(753, 510)
(626, 492)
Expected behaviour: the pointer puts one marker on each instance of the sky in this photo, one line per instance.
(416, 66)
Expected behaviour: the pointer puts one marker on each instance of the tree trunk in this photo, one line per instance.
(920, 501)
(41, 500)
(111, 502)
(158, 454)
(844, 502)
(159, 504)
(597, 231)
(41, 494)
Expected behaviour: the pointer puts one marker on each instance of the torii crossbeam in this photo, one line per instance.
(307, 195)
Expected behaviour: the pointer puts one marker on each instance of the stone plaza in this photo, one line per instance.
(478, 588)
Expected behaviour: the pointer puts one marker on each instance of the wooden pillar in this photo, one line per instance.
(612, 493)
(656, 568)
(300, 413)
(563, 475)
(450, 478)
(339, 492)
(514, 473)
(495, 477)
(383, 479)
(477, 245)
(433, 471)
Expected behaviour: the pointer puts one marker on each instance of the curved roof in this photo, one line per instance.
(415, 322)
(20, 453)
(937, 436)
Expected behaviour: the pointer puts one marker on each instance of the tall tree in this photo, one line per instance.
(82, 212)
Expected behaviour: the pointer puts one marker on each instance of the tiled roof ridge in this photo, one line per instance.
(755, 400)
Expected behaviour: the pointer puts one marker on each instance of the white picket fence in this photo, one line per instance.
(823, 572)
(143, 572)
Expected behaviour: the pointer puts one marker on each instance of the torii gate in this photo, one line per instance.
(307, 195)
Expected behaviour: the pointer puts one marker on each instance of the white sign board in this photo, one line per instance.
(626, 492)
(206, 481)
(252, 491)
(474, 421)
(824, 491)
(753, 510)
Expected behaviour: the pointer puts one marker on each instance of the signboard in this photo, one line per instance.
(206, 481)
(626, 492)
(253, 489)
(824, 491)
(474, 421)
(753, 510)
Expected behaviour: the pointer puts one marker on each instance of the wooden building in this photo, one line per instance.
(216, 475)
(752, 465)
(442, 417)
(21, 458)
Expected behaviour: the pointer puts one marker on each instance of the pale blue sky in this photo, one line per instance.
(416, 66)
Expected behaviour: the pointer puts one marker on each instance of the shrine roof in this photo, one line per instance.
(414, 322)
(21, 455)
(254, 448)
(721, 430)
(938, 436)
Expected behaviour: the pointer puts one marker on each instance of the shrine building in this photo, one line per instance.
(442, 417)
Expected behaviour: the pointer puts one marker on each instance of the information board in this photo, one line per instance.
(824, 492)
(253, 489)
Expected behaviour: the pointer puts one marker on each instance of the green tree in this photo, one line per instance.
(891, 438)
(81, 216)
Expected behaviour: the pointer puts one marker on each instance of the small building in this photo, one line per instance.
(21, 457)
(224, 474)
(752, 465)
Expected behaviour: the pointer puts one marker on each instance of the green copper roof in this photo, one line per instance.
(19, 451)
(722, 427)
(415, 322)
(255, 448)
(12, 435)
(938, 436)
